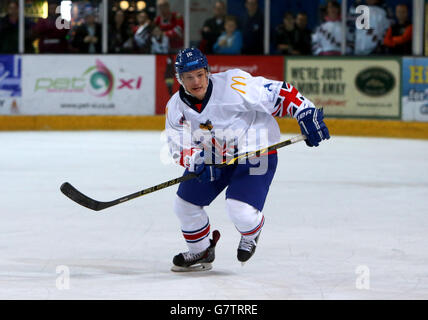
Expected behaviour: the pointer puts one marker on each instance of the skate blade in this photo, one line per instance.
(195, 268)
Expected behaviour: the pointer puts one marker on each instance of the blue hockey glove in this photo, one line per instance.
(206, 173)
(312, 126)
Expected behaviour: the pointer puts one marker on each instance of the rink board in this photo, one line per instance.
(415, 89)
(112, 92)
(88, 85)
(344, 127)
(349, 87)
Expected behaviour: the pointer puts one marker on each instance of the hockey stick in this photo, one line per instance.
(75, 195)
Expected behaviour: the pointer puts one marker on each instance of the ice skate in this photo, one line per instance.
(247, 247)
(202, 261)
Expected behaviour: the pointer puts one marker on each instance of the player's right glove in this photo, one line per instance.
(205, 173)
(312, 126)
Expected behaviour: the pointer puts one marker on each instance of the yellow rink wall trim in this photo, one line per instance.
(342, 127)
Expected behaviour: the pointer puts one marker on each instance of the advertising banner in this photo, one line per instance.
(415, 89)
(10, 84)
(349, 87)
(166, 85)
(88, 85)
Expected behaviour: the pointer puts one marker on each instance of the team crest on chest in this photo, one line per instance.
(206, 126)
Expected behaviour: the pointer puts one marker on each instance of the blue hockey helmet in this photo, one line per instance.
(190, 59)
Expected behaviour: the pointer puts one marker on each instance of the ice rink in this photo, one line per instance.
(347, 220)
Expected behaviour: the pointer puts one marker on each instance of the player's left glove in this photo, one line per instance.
(205, 173)
(312, 126)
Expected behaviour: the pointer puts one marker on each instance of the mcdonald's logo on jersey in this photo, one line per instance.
(238, 83)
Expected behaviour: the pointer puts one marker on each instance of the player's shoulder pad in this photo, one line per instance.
(175, 99)
(239, 81)
(238, 72)
(173, 104)
(238, 86)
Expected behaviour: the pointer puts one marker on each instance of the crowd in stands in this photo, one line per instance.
(141, 32)
(128, 32)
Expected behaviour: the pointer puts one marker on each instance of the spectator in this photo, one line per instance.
(285, 35)
(398, 39)
(303, 35)
(171, 24)
(213, 27)
(326, 40)
(50, 38)
(252, 29)
(119, 33)
(143, 33)
(87, 37)
(169, 74)
(160, 42)
(369, 41)
(131, 19)
(230, 41)
(9, 29)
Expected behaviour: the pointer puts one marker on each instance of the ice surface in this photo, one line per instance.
(351, 203)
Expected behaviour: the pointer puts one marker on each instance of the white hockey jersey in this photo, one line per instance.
(327, 38)
(236, 116)
(366, 40)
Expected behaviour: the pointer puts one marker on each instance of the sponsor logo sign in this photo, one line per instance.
(375, 82)
(348, 87)
(415, 89)
(89, 85)
(10, 84)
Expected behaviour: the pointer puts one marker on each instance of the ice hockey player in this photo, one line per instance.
(214, 117)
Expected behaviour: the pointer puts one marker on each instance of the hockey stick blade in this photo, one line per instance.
(71, 192)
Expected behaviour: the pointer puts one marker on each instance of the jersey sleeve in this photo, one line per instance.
(278, 98)
(181, 147)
